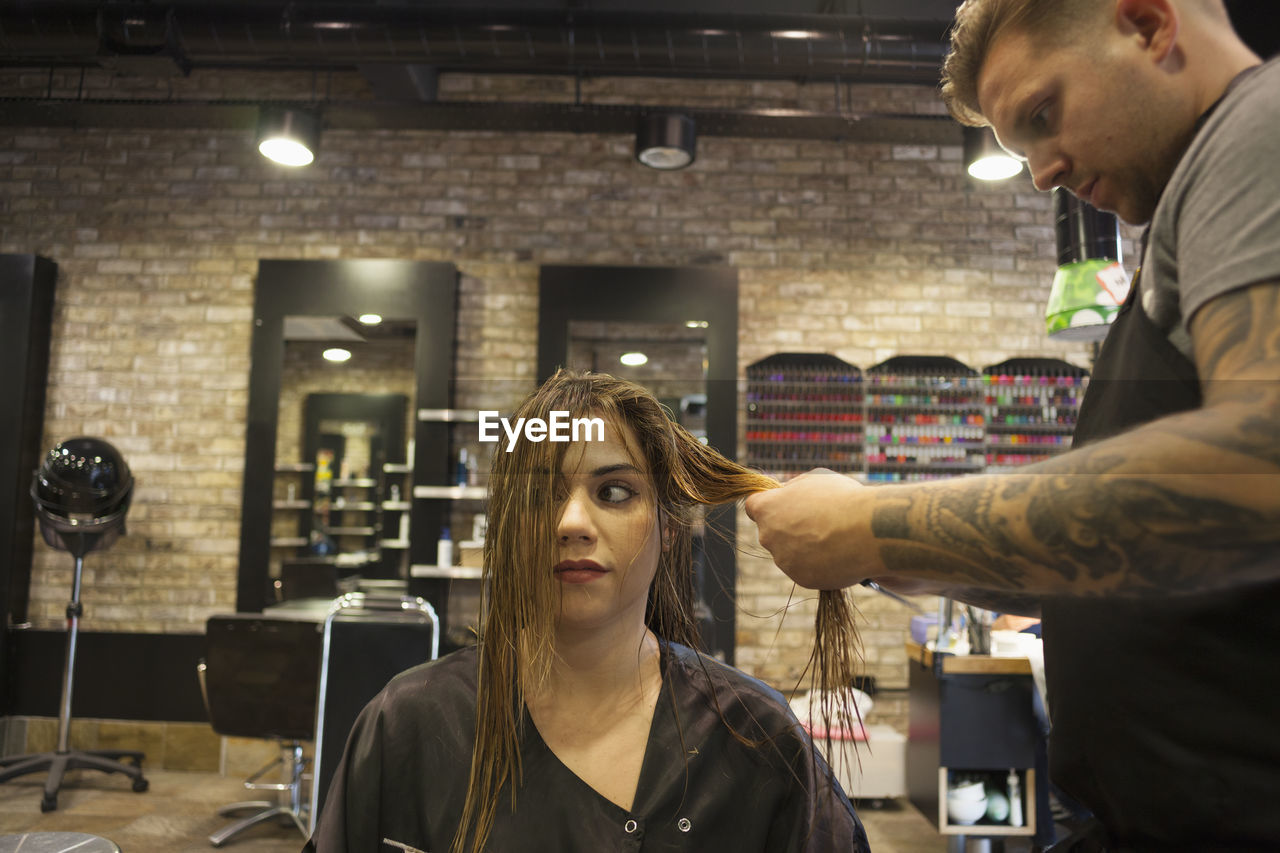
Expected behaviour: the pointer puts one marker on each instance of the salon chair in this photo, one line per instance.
(369, 638)
(81, 492)
(260, 678)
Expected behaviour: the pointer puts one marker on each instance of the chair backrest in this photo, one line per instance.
(368, 640)
(262, 675)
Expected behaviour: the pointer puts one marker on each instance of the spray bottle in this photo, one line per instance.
(1015, 798)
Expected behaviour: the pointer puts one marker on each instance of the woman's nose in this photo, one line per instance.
(575, 521)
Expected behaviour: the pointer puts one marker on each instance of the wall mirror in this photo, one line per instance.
(360, 414)
(685, 321)
(340, 494)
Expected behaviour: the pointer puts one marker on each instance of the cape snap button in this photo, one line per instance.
(684, 824)
(630, 826)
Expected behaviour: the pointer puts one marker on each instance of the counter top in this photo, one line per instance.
(970, 664)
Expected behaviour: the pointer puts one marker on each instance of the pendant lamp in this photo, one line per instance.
(665, 141)
(984, 159)
(289, 136)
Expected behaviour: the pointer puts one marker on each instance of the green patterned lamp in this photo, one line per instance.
(1090, 283)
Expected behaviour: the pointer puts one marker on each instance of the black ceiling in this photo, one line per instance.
(399, 46)
(696, 38)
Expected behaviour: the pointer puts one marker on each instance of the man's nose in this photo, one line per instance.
(1048, 170)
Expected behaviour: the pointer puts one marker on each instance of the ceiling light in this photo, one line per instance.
(984, 159)
(634, 359)
(370, 319)
(336, 354)
(665, 141)
(695, 324)
(288, 136)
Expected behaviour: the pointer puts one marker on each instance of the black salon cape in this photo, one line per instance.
(403, 778)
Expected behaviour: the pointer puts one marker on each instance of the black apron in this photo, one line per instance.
(1166, 714)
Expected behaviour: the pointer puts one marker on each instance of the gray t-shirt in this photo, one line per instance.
(1217, 225)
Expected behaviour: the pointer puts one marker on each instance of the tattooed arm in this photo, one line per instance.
(1186, 503)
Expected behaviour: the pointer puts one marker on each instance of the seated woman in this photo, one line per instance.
(583, 720)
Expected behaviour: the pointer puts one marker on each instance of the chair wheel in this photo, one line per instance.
(140, 784)
(48, 804)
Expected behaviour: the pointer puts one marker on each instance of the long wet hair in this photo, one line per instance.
(526, 493)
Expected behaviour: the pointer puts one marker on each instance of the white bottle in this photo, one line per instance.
(444, 549)
(1015, 799)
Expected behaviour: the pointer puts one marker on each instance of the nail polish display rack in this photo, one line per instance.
(1032, 406)
(909, 418)
(804, 410)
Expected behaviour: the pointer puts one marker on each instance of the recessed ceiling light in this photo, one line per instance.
(634, 359)
(371, 319)
(336, 354)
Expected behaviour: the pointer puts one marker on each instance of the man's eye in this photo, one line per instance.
(616, 493)
(1040, 118)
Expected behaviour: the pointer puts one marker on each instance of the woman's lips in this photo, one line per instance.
(579, 571)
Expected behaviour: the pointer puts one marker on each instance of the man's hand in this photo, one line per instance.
(817, 529)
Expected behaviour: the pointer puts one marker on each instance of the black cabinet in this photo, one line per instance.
(971, 715)
(26, 312)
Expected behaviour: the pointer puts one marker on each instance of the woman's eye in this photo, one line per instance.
(616, 493)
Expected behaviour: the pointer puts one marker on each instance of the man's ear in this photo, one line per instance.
(1154, 23)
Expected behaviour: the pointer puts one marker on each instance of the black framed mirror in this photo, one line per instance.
(418, 292)
(655, 303)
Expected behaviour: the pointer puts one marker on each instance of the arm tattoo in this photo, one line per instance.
(1182, 504)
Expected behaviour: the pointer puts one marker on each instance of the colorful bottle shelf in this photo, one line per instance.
(909, 418)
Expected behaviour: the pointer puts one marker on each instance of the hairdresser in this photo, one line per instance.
(1152, 549)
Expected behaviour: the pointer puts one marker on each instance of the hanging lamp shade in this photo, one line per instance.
(984, 159)
(1090, 283)
(289, 136)
(666, 141)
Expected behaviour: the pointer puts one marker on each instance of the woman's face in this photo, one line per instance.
(607, 535)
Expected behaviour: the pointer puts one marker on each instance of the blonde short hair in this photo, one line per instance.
(978, 23)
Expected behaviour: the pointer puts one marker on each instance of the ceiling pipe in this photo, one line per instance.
(154, 38)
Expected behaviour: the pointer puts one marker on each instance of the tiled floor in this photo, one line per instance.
(178, 812)
(175, 816)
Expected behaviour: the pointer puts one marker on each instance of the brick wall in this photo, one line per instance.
(861, 250)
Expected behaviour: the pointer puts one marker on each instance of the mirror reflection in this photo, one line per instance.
(342, 484)
(670, 359)
(345, 512)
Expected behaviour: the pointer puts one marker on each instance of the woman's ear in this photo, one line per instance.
(664, 525)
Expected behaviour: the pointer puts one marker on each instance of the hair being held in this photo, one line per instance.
(516, 648)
